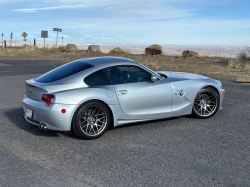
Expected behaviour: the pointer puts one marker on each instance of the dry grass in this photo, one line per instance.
(242, 62)
(23, 51)
(50, 49)
(210, 66)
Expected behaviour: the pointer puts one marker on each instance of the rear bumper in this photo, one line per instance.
(49, 115)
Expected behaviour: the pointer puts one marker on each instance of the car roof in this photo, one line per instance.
(97, 61)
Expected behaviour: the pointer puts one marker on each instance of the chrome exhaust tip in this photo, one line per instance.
(43, 126)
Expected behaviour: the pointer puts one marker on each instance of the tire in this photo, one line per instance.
(91, 121)
(206, 103)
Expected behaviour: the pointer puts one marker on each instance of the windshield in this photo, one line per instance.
(63, 71)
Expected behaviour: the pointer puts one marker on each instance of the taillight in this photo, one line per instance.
(48, 99)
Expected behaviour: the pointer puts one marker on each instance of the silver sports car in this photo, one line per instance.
(88, 96)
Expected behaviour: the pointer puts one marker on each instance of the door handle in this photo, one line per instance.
(123, 92)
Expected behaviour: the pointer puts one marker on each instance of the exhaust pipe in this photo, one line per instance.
(43, 126)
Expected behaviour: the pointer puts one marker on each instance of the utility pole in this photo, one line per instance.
(62, 40)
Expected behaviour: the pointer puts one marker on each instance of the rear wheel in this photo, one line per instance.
(91, 121)
(206, 103)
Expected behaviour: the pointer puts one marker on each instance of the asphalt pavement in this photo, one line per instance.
(179, 151)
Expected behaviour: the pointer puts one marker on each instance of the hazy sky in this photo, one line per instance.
(182, 22)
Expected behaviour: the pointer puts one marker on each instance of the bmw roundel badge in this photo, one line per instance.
(182, 93)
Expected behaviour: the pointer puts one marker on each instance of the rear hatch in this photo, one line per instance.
(34, 92)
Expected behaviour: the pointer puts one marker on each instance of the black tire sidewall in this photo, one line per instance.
(217, 107)
(76, 126)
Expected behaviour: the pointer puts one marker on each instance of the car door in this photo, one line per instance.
(137, 94)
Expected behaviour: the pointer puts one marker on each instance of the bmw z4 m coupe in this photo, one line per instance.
(90, 95)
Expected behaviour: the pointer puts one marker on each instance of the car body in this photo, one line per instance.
(122, 86)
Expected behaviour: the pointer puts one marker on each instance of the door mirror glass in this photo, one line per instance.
(154, 78)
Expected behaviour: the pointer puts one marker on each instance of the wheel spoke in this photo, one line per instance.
(101, 118)
(83, 122)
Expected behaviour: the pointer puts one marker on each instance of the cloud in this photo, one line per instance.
(50, 8)
(91, 37)
(111, 7)
(121, 36)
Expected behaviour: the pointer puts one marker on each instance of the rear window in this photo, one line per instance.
(63, 71)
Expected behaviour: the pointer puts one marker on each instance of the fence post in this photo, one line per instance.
(5, 44)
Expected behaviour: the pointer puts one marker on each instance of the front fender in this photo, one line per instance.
(191, 88)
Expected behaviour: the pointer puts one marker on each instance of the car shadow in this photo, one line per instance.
(15, 116)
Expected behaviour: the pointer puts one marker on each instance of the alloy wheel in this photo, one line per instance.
(93, 120)
(205, 103)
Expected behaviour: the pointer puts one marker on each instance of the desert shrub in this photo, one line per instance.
(242, 57)
(98, 51)
(119, 50)
(242, 60)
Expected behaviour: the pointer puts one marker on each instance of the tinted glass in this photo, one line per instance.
(127, 74)
(96, 79)
(63, 71)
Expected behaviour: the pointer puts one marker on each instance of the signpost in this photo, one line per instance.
(58, 30)
(2, 40)
(44, 34)
(24, 34)
(11, 35)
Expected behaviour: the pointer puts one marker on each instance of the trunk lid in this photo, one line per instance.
(33, 91)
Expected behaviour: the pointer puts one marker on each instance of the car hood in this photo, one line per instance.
(180, 76)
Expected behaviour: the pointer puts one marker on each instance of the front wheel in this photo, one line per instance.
(206, 103)
(91, 121)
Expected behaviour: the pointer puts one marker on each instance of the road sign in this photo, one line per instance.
(25, 40)
(57, 29)
(44, 34)
(24, 34)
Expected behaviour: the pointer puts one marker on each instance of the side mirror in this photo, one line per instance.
(153, 78)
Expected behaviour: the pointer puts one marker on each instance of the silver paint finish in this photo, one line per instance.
(128, 103)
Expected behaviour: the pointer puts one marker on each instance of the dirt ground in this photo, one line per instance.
(209, 66)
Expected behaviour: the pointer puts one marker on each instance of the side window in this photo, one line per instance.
(97, 78)
(127, 74)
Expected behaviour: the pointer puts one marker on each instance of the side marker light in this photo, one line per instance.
(63, 111)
